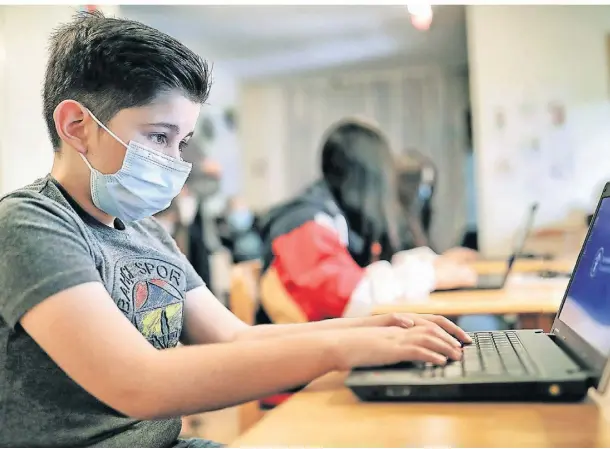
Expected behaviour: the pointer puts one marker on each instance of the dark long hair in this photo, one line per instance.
(358, 167)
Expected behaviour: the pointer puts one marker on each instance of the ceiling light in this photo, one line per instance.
(421, 15)
(420, 9)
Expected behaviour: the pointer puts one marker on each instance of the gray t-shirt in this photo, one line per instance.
(50, 244)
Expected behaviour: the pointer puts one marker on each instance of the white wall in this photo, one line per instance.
(262, 132)
(3, 118)
(26, 152)
(521, 58)
(25, 148)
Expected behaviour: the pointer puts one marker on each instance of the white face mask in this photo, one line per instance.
(146, 184)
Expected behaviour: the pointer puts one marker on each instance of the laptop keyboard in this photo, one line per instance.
(490, 354)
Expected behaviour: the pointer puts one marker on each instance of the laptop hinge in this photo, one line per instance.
(604, 381)
(594, 376)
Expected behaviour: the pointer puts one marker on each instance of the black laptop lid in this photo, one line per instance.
(583, 321)
(521, 239)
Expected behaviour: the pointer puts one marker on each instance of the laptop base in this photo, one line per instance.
(572, 391)
(547, 374)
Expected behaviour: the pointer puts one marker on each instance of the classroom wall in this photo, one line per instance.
(225, 147)
(2, 91)
(521, 58)
(25, 152)
(25, 149)
(262, 107)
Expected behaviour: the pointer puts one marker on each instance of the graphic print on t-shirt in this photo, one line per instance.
(150, 292)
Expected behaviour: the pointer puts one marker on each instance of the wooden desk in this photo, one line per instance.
(526, 298)
(327, 414)
(525, 265)
(535, 302)
(557, 241)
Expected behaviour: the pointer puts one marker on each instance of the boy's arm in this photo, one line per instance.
(405, 320)
(208, 321)
(89, 338)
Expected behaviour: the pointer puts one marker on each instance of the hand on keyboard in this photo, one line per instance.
(408, 320)
(377, 346)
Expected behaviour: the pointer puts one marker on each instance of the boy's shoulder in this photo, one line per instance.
(36, 201)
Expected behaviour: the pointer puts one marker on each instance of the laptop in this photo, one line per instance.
(521, 365)
(496, 281)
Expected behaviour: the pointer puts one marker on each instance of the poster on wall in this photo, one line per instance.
(559, 144)
(533, 151)
(503, 166)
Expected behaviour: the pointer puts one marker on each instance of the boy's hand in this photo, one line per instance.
(376, 346)
(409, 320)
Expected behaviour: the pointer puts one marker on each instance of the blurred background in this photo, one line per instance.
(510, 103)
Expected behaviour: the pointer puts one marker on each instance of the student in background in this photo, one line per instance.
(184, 221)
(200, 225)
(336, 247)
(95, 294)
(417, 178)
(239, 233)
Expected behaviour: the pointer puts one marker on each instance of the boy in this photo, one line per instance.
(96, 295)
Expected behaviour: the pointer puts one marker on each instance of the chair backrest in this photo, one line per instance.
(243, 302)
(243, 295)
(279, 306)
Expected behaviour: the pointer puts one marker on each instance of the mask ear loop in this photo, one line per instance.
(106, 129)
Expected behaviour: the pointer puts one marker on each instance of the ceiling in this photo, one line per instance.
(254, 41)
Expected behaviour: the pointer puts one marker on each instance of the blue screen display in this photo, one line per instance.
(587, 307)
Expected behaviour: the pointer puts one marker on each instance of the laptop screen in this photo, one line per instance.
(586, 309)
(523, 233)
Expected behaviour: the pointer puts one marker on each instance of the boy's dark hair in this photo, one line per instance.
(109, 64)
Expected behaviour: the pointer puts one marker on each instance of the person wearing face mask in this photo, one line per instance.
(183, 221)
(416, 187)
(240, 235)
(96, 295)
(197, 205)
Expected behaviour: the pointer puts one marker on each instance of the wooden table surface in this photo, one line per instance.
(327, 414)
(535, 298)
(525, 265)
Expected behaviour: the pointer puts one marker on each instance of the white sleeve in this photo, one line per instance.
(422, 253)
(410, 278)
(378, 286)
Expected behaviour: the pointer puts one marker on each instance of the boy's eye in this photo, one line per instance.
(159, 139)
(182, 146)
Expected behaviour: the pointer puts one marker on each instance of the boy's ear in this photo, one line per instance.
(72, 123)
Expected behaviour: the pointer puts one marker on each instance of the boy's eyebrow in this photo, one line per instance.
(170, 126)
